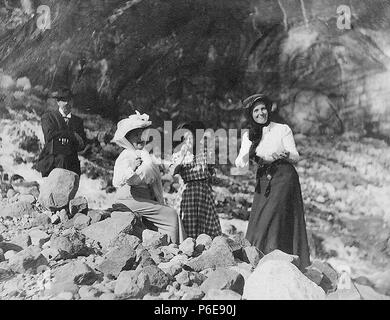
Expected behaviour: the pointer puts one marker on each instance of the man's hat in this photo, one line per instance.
(63, 94)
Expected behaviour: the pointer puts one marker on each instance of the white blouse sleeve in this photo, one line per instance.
(242, 160)
(289, 144)
(123, 173)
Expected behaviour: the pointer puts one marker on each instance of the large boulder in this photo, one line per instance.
(280, 280)
(104, 232)
(58, 189)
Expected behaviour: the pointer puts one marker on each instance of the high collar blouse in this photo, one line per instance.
(276, 138)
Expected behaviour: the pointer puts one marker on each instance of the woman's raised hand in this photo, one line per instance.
(280, 155)
(137, 163)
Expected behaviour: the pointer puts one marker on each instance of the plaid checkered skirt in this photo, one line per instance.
(197, 210)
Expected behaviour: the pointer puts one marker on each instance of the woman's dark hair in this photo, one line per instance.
(256, 129)
(192, 126)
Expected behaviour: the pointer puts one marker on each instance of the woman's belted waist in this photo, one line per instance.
(268, 170)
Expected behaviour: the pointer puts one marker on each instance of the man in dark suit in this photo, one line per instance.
(64, 136)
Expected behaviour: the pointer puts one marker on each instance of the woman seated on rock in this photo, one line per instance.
(138, 180)
(277, 217)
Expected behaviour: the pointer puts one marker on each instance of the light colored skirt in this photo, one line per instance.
(158, 217)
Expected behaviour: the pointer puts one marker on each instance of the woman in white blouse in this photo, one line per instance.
(277, 217)
(138, 180)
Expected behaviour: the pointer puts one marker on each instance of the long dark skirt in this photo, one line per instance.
(277, 221)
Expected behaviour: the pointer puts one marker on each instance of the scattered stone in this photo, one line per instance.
(117, 260)
(55, 218)
(217, 294)
(58, 287)
(203, 242)
(58, 189)
(156, 254)
(28, 260)
(78, 205)
(280, 280)
(107, 230)
(82, 222)
(252, 255)
(170, 269)
(64, 296)
(170, 251)
(95, 215)
(23, 84)
(132, 284)
(23, 241)
(197, 278)
(158, 279)
(192, 294)
(107, 296)
(154, 239)
(124, 239)
(188, 246)
(77, 272)
(17, 210)
(38, 237)
(70, 246)
(144, 259)
(87, 292)
(183, 278)
(329, 276)
(224, 278)
(234, 246)
(27, 198)
(6, 81)
(219, 255)
(10, 254)
(245, 269)
(51, 254)
(41, 219)
(63, 216)
(11, 193)
(26, 188)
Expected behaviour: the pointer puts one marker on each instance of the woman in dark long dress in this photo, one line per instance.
(277, 217)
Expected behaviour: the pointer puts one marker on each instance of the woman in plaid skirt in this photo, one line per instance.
(197, 208)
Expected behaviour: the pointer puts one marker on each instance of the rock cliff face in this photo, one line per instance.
(165, 57)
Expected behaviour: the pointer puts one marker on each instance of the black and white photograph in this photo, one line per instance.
(213, 151)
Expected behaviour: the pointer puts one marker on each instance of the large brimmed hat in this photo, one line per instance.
(134, 121)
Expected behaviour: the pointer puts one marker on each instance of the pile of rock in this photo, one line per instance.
(58, 248)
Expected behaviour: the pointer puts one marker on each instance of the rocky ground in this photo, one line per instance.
(55, 246)
(59, 244)
(59, 248)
